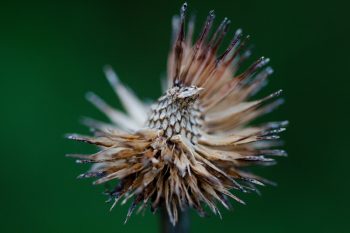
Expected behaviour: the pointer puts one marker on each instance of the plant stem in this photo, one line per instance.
(182, 226)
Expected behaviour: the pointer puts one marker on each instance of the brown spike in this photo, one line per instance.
(178, 49)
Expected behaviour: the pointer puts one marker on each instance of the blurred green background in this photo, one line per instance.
(52, 53)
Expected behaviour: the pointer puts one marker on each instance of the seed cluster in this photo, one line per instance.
(175, 115)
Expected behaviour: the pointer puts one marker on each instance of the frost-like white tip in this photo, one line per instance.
(269, 70)
(267, 60)
(184, 6)
(111, 75)
(71, 136)
(90, 96)
(277, 93)
(94, 99)
(284, 123)
(238, 31)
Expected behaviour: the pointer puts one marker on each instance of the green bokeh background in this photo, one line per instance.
(52, 53)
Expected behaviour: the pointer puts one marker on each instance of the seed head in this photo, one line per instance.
(193, 146)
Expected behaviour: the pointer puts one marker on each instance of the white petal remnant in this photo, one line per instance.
(135, 108)
(193, 146)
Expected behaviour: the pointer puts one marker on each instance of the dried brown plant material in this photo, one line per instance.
(193, 146)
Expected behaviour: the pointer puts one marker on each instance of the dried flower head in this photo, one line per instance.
(193, 145)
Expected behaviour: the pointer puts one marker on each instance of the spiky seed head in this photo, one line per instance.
(193, 145)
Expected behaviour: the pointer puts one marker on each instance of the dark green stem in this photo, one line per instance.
(182, 226)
